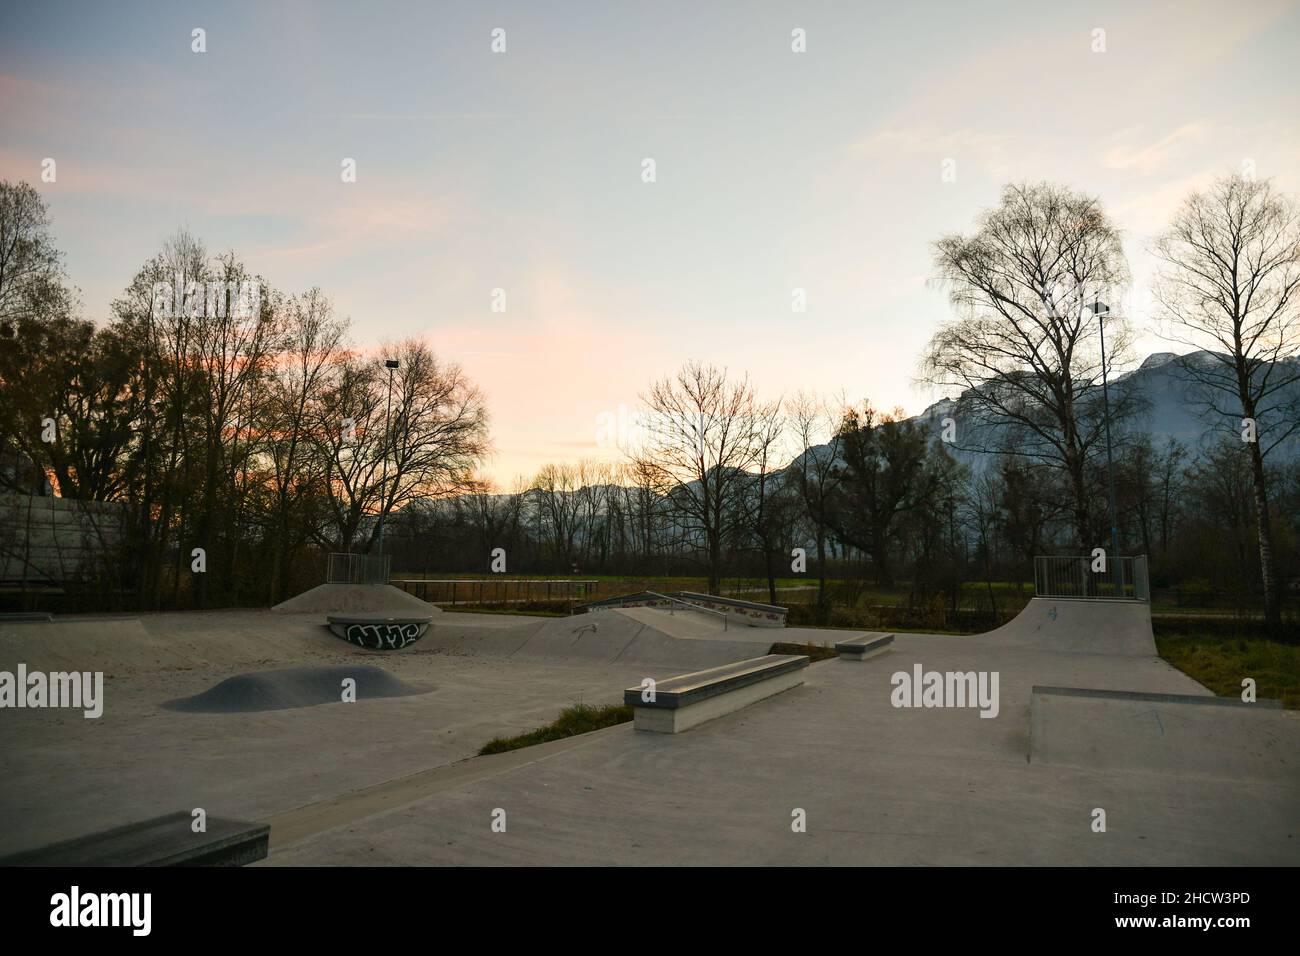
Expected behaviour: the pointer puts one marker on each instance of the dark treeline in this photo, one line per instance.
(224, 415)
(891, 510)
(221, 414)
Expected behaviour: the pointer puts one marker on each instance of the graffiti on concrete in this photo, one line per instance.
(384, 636)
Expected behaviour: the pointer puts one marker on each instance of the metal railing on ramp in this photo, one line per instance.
(1122, 579)
(358, 568)
(673, 602)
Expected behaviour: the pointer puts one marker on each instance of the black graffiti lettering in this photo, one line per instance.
(383, 636)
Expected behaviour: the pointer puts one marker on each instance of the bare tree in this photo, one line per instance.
(1025, 346)
(1152, 479)
(31, 270)
(313, 337)
(494, 515)
(427, 447)
(643, 496)
(164, 325)
(703, 436)
(817, 472)
(1028, 504)
(981, 515)
(595, 480)
(1230, 282)
(232, 345)
(768, 513)
(555, 496)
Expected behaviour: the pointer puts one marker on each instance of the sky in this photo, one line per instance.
(831, 170)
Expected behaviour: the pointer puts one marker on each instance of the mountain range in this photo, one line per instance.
(1174, 407)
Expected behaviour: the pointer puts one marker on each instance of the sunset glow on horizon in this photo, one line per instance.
(485, 178)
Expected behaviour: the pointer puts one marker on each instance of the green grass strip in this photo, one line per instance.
(578, 719)
(1222, 662)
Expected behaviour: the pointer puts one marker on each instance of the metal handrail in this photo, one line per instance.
(1071, 576)
(690, 606)
(352, 568)
(487, 590)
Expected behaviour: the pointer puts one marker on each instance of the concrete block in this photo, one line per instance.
(863, 646)
(691, 699)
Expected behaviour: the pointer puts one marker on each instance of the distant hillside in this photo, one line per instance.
(1174, 408)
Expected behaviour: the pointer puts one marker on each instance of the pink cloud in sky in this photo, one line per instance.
(549, 374)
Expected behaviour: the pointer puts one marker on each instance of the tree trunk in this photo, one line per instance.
(822, 603)
(1267, 556)
(714, 542)
(880, 560)
(771, 575)
(1082, 520)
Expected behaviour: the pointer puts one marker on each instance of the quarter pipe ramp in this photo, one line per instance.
(1080, 626)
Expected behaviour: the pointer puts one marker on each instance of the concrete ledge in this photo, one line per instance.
(1157, 698)
(863, 646)
(689, 700)
(750, 613)
(163, 841)
(1179, 734)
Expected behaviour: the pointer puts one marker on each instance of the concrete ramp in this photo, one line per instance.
(476, 639)
(94, 644)
(688, 625)
(110, 644)
(679, 622)
(1185, 735)
(615, 636)
(1080, 626)
(653, 636)
(167, 641)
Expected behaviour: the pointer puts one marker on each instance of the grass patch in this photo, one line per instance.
(1222, 662)
(935, 618)
(578, 719)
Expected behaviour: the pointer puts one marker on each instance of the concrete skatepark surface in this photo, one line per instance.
(63, 776)
(879, 785)
(392, 780)
(1189, 736)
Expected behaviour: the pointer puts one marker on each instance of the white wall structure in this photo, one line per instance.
(55, 540)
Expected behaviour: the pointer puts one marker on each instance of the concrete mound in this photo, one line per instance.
(292, 687)
(342, 598)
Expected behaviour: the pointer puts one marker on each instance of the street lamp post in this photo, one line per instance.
(1100, 309)
(390, 364)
